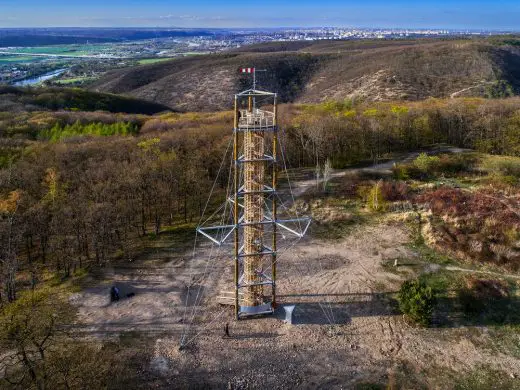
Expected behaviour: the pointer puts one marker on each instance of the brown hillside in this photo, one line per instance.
(314, 72)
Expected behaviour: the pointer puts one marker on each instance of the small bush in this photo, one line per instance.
(376, 196)
(483, 224)
(407, 171)
(376, 200)
(416, 301)
(504, 166)
(394, 191)
(400, 172)
(59, 132)
(502, 182)
(445, 201)
(426, 164)
(363, 192)
(454, 164)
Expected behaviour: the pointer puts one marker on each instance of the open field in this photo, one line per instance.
(13, 59)
(75, 80)
(147, 61)
(69, 50)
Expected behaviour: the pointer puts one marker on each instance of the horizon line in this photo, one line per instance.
(505, 30)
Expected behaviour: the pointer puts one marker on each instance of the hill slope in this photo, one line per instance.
(314, 72)
(15, 99)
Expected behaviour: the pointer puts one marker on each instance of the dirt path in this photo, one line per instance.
(300, 187)
(456, 93)
(472, 271)
(383, 169)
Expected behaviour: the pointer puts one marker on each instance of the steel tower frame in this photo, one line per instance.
(255, 205)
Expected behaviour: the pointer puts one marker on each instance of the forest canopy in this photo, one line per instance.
(78, 186)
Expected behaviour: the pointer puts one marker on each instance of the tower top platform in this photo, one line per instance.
(255, 119)
(255, 110)
(255, 92)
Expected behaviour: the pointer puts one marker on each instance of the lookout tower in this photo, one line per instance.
(256, 224)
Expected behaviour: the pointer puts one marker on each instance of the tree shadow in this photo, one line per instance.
(336, 309)
(262, 335)
(154, 328)
(450, 312)
(458, 311)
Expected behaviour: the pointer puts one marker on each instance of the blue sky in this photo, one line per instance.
(452, 14)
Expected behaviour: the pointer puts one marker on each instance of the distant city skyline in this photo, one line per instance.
(441, 14)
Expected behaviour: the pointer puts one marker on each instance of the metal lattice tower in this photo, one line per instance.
(255, 220)
(251, 279)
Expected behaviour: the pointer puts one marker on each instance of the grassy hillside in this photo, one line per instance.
(208, 82)
(315, 72)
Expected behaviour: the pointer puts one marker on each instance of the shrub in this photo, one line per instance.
(483, 224)
(400, 172)
(363, 192)
(453, 164)
(59, 132)
(376, 201)
(426, 164)
(445, 201)
(394, 191)
(407, 171)
(416, 301)
(505, 166)
(508, 181)
(376, 196)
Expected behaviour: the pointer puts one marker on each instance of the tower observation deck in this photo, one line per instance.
(255, 201)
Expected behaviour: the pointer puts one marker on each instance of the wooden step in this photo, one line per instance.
(228, 297)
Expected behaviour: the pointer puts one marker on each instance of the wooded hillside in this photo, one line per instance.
(78, 186)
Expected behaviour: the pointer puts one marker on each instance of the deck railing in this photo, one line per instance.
(255, 119)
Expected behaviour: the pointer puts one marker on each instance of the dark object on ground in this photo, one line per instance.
(226, 330)
(130, 295)
(114, 294)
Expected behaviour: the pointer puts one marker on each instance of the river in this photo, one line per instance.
(40, 78)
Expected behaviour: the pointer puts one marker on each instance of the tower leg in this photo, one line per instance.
(236, 216)
(274, 203)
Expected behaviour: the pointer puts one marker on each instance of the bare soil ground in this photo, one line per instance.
(346, 330)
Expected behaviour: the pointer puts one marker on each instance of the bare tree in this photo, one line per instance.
(327, 173)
